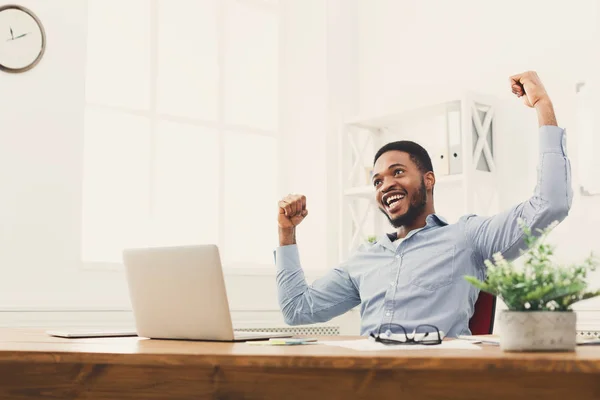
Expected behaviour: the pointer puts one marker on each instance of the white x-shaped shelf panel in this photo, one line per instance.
(358, 153)
(358, 223)
(483, 128)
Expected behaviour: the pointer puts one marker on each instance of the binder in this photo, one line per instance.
(454, 142)
(439, 146)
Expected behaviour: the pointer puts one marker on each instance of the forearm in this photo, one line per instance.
(553, 187)
(550, 202)
(287, 236)
(295, 297)
(553, 194)
(326, 298)
(292, 288)
(545, 113)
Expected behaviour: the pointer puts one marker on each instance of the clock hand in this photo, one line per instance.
(11, 33)
(20, 36)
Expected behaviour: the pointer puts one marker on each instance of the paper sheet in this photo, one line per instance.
(371, 345)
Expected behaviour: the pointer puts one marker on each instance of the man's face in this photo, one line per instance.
(400, 188)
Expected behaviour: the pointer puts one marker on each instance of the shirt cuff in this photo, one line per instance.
(553, 140)
(287, 257)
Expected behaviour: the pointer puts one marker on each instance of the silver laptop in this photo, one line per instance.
(179, 293)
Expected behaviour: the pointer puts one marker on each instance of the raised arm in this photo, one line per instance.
(553, 194)
(327, 297)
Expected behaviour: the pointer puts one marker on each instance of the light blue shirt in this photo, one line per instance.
(421, 282)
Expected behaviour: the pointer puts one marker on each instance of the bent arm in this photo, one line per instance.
(550, 202)
(330, 296)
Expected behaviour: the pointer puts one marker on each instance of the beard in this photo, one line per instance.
(416, 205)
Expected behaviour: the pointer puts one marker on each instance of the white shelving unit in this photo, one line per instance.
(459, 133)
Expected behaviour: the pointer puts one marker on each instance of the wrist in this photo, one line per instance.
(545, 112)
(543, 103)
(287, 236)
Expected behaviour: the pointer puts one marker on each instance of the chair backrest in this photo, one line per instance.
(482, 321)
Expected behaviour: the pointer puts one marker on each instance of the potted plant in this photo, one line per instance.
(538, 295)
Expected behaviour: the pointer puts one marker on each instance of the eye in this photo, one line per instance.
(398, 172)
(377, 182)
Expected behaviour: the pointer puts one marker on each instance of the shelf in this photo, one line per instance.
(368, 191)
(444, 120)
(415, 108)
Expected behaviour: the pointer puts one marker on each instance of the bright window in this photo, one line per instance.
(180, 127)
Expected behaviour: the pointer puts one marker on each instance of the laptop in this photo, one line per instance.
(179, 293)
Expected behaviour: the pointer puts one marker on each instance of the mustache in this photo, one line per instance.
(399, 190)
(416, 205)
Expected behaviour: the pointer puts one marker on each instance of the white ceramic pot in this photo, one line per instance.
(537, 330)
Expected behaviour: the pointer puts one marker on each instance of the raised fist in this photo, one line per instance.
(292, 210)
(529, 86)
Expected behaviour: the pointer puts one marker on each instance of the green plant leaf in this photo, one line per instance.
(539, 284)
(480, 285)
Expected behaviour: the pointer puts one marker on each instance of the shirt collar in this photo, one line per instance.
(436, 219)
(431, 220)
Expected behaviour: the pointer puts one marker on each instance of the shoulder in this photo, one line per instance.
(462, 222)
(364, 252)
(467, 217)
(469, 223)
(366, 247)
(462, 230)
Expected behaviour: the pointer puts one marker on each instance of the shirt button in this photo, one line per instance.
(392, 283)
(397, 256)
(387, 314)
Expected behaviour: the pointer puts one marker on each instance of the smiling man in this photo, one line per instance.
(415, 275)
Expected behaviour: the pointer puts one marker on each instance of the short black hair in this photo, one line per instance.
(417, 153)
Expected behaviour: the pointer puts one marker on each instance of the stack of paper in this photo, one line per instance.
(495, 339)
(283, 342)
(487, 339)
(371, 345)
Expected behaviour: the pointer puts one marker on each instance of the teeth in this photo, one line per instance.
(390, 199)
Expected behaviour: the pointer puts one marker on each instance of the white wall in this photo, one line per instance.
(318, 88)
(412, 48)
(41, 119)
(303, 116)
(41, 150)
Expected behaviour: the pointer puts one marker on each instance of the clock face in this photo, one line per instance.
(22, 39)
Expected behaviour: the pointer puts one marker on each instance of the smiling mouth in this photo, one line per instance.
(393, 203)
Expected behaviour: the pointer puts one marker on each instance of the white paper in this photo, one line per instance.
(371, 345)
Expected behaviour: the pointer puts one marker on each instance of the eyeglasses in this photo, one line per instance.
(396, 334)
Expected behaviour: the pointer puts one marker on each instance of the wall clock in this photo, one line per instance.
(22, 39)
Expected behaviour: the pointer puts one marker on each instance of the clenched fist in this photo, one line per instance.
(292, 210)
(529, 86)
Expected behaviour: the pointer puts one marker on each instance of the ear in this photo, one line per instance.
(429, 179)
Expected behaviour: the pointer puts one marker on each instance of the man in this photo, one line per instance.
(415, 275)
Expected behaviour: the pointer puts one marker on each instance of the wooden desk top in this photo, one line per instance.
(34, 365)
(27, 345)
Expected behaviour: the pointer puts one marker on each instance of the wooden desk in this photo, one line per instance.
(36, 366)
